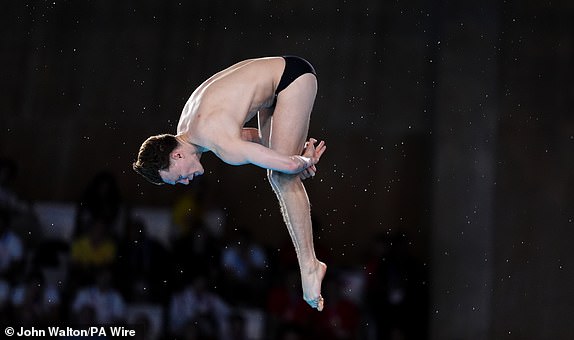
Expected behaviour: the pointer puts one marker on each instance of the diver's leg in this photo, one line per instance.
(289, 127)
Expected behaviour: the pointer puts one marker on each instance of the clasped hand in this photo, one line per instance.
(313, 153)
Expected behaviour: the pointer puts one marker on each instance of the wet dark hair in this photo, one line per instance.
(153, 156)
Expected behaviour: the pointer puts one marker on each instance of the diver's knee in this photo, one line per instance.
(273, 177)
(280, 179)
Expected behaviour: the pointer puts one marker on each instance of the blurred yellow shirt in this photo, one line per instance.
(86, 253)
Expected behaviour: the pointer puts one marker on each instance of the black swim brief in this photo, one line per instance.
(295, 67)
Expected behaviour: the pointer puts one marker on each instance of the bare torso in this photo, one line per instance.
(220, 106)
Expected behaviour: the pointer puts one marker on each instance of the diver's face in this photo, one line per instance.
(183, 169)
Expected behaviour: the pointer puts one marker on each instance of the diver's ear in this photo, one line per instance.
(176, 154)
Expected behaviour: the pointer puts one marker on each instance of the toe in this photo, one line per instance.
(320, 303)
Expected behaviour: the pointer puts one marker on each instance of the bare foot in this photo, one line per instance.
(311, 281)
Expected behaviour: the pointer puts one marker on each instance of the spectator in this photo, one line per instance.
(341, 320)
(202, 327)
(83, 318)
(244, 263)
(288, 314)
(35, 302)
(144, 327)
(141, 265)
(101, 201)
(5, 305)
(106, 301)
(11, 249)
(237, 329)
(185, 210)
(23, 219)
(195, 254)
(196, 302)
(92, 251)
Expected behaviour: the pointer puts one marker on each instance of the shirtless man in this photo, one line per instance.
(281, 91)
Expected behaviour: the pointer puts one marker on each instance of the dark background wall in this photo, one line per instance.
(448, 122)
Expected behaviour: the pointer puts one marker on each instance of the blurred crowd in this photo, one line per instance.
(210, 281)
